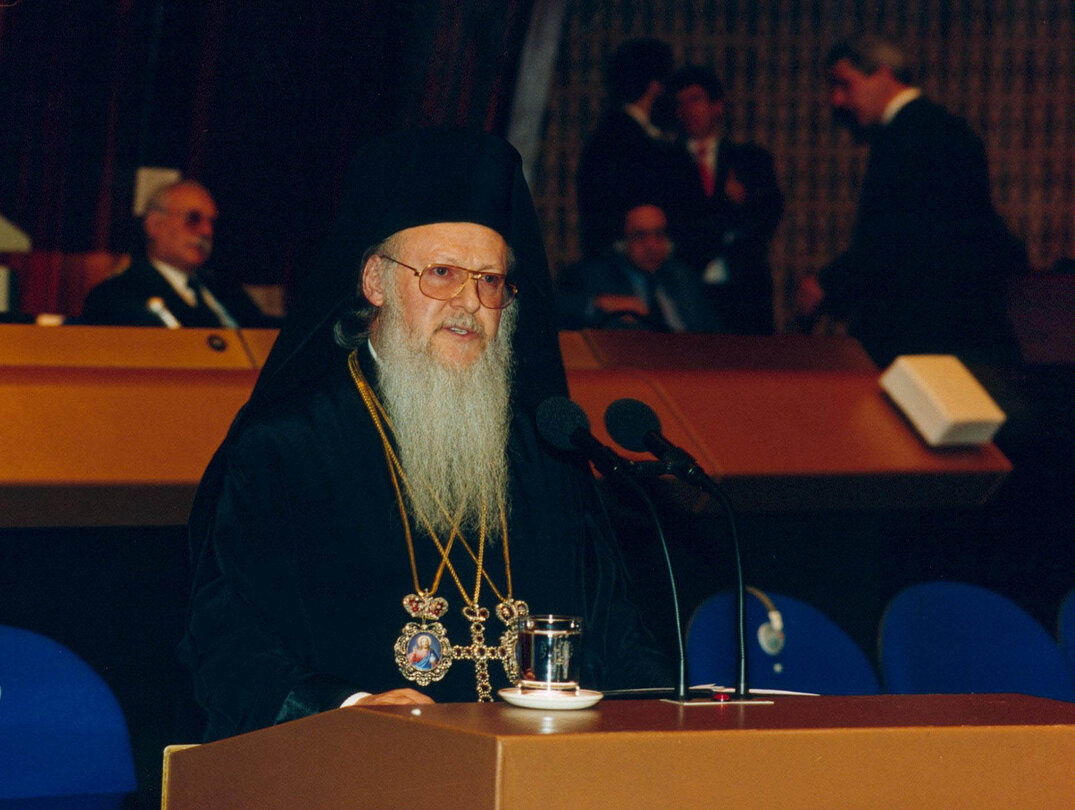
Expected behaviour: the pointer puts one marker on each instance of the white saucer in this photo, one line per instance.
(550, 699)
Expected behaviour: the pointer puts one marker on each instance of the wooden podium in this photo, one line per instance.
(880, 751)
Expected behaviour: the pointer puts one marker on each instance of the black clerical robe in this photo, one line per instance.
(298, 594)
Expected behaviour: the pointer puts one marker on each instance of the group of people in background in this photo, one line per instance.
(675, 223)
(929, 258)
(711, 206)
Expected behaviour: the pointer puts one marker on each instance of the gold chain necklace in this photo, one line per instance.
(422, 651)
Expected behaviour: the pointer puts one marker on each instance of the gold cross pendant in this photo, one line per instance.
(480, 653)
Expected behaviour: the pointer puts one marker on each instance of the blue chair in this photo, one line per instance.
(1065, 628)
(63, 738)
(807, 653)
(951, 637)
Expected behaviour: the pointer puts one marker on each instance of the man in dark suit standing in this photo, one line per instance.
(927, 268)
(627, 157)
(738, 206)
(168, 285)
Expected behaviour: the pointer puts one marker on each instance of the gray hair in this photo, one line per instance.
(869, 53)
(351, 329)
(157, 201)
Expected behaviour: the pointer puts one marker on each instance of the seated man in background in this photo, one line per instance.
(385, 487)
(637, 283)
(169, 285)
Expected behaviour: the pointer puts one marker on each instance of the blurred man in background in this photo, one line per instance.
(169, 285)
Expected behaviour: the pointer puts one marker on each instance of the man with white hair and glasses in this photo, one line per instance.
(170, 285)
(385, 490)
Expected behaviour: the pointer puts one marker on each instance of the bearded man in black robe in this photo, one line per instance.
(384, 492)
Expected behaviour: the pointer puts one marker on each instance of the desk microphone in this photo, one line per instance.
(635, 426)
(157, 307)
(564, 425)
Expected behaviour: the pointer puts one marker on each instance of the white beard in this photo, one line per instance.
(451, 424)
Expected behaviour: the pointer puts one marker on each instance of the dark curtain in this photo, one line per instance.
(263, 102)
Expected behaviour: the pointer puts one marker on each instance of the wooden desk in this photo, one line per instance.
(879, 751)
(112, 426)
(115, 425)
(628, 348)
(792, 440)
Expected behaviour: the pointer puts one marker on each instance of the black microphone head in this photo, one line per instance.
(557, 420)
(629, 421)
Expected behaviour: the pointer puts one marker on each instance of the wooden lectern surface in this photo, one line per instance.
(877, 751)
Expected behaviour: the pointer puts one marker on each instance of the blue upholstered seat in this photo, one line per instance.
(1065, 628)
(63, 737)
(952, 637)
(810, 654)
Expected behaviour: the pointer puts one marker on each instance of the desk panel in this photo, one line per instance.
(889, 750)
(23, 346)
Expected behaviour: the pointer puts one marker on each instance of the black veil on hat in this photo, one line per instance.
(414, 178)
(395, 182)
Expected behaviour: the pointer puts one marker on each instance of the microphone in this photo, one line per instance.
(634, 425)
(157, 307)
(564, 425)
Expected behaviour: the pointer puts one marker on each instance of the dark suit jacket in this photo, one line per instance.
(715, 227)
(622, 167)
(929, 258)
(614, 274)
(121, 301)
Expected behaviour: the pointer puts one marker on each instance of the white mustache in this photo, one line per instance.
(205, 243)
(463, 321)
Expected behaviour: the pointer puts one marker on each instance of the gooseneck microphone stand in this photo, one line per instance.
(564, 425)
(635, 426)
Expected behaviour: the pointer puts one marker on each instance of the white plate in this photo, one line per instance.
(551, 699)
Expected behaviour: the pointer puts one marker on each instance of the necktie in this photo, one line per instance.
(211, 308)
(194, 284)
(709, 180)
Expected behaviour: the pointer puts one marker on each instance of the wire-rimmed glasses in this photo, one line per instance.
(443, 282)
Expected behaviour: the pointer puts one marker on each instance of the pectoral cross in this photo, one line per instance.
(481, 653)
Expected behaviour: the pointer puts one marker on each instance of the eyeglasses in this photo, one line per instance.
(641, 234)
(192, 218)
(444, 282)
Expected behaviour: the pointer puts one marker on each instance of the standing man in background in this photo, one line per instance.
(628, 158)
(739, 205)
(169, 285)
(929, 259)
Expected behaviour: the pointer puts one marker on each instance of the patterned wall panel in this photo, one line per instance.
(1008, 66)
